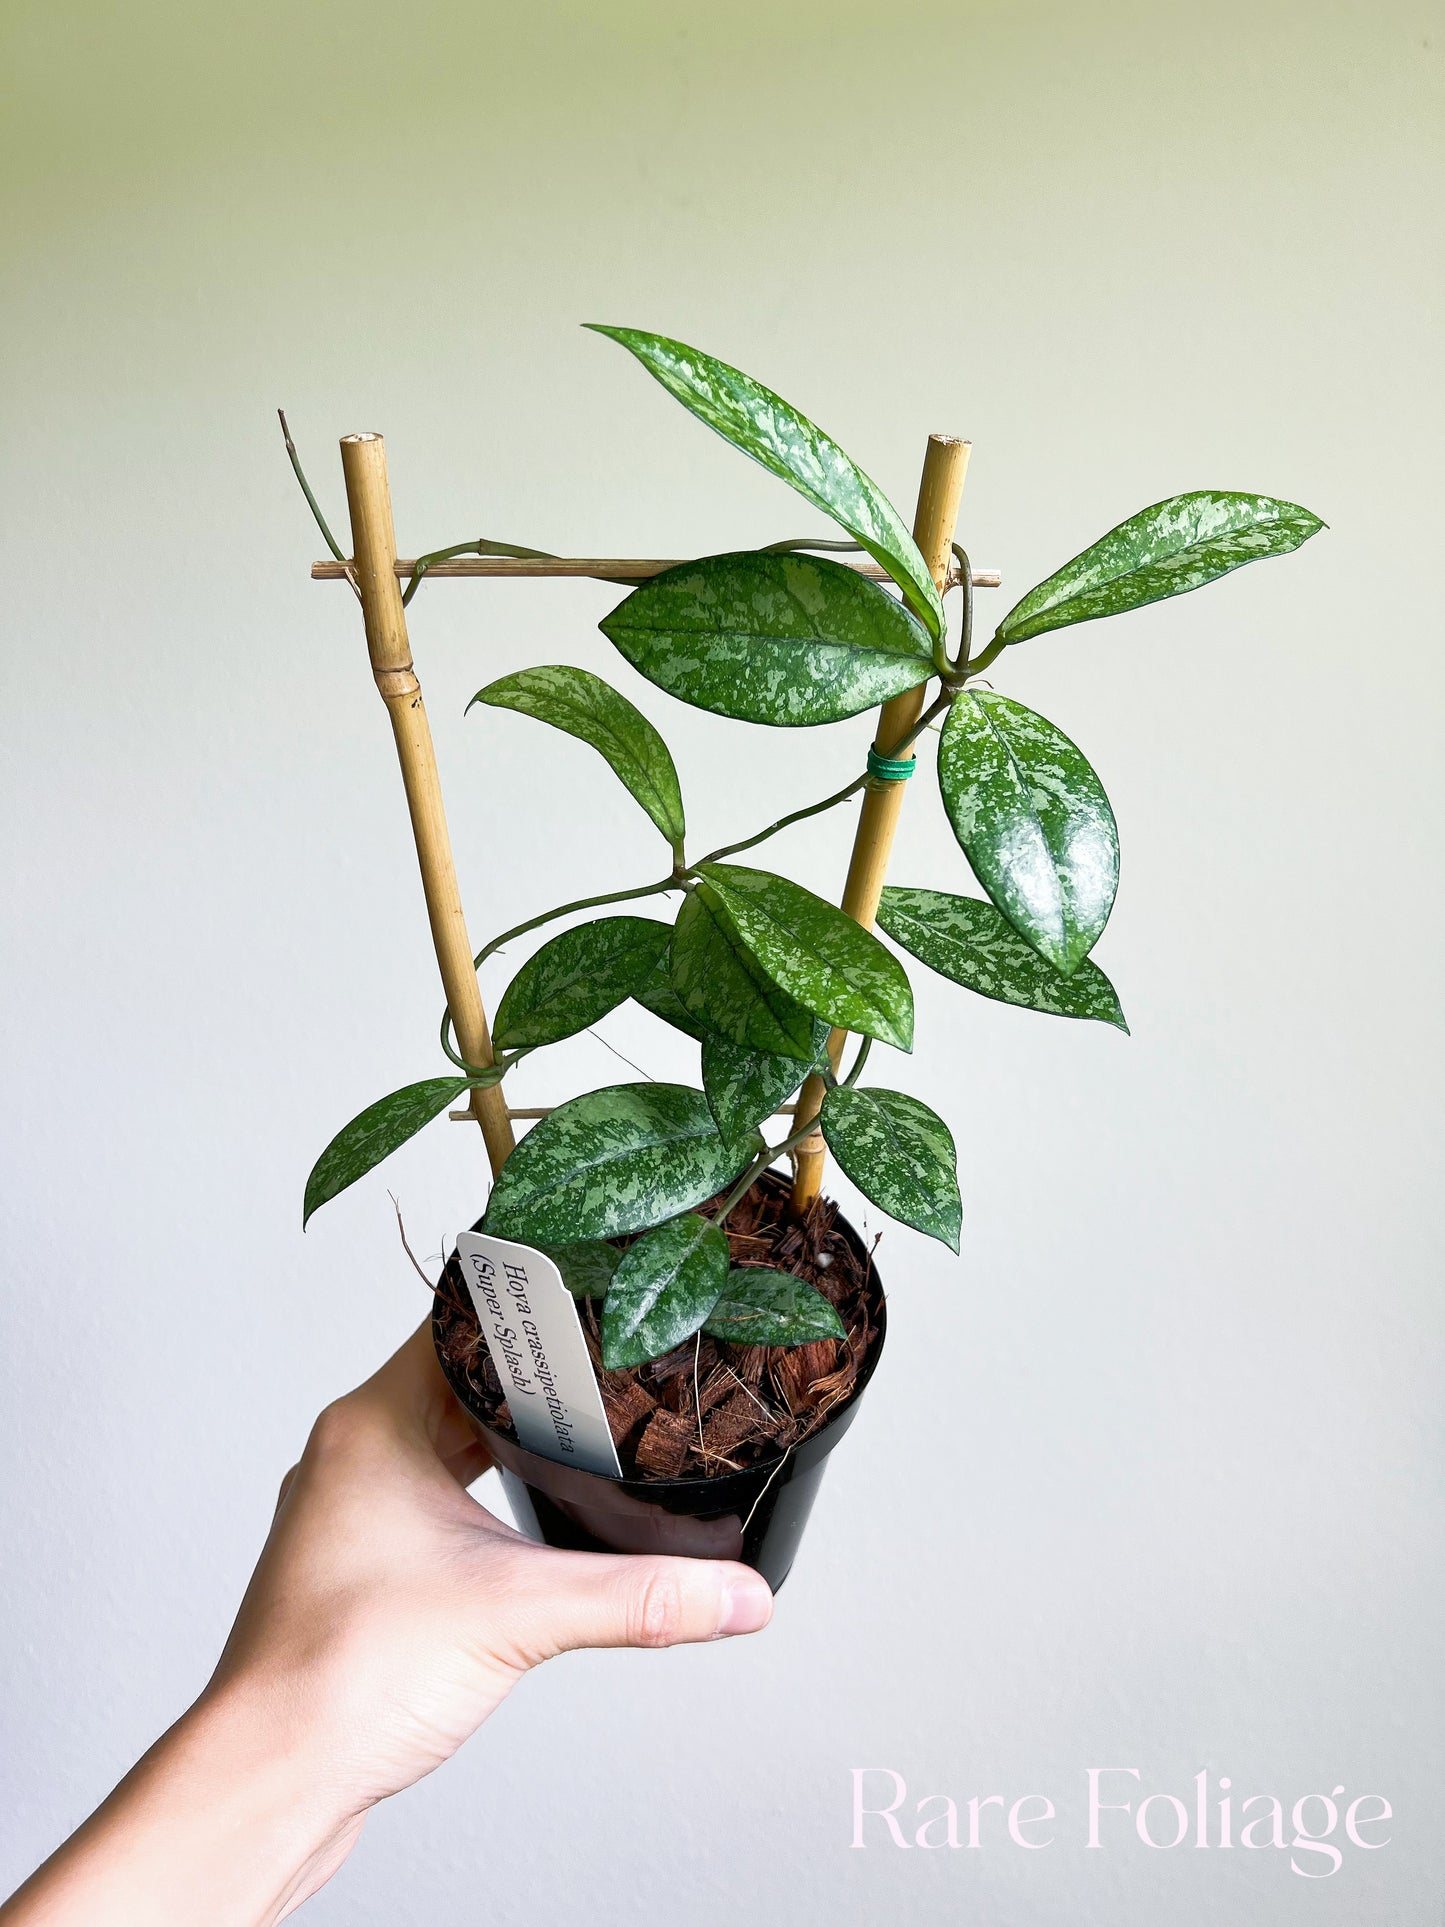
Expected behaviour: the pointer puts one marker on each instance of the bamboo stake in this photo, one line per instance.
(603, 568)
(939, 493)
(363, 462)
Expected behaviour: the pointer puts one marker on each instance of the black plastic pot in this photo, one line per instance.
(756, 1516)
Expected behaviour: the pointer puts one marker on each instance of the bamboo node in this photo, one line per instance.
(394, 683)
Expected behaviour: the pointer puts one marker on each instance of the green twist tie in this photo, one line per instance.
(891, 769)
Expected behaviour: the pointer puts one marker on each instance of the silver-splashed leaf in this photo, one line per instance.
(791, 640)
(820, 957)
(576, 978)
(763, 1307)
(1034, 822)
(378, 1131)
(1165, 550)
(791, 447)
(745, 1087)
(972, 943)
(721, 985)
(664, 1288)
(585, 706)
(658, 996)
(609, 1162)
(586, 1267)
(900, 1154)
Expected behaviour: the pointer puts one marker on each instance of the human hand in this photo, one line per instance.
(388, 1615)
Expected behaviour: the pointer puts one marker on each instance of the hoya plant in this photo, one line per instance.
(781, 990)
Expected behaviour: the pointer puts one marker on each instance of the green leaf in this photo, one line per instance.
(587, 1267)
(784, 639)
(658, 996)
(609, 1162)
(974, 944)
(898, 1153)
(577, 978)
(787, 444)
(1034, 822)
(377, 1132)
(720, 983)
(662, 1291)
(819, 956)
(1162, 551)
(762, 1307)
(582, 704)
(744, 1087)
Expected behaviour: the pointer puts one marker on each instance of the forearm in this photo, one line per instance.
(228, 1819)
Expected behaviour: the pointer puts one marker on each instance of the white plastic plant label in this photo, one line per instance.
(532, 1328)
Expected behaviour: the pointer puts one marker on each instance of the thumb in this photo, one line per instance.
(576, 1599)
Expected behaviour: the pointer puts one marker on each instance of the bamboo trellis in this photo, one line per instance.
(376, 573)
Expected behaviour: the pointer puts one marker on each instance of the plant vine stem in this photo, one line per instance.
(582, 903)
(769, 1154)
(479, 545)
(674, 882)
(311, 501)
(935, 708)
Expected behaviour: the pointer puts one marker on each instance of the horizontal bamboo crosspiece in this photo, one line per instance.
(601, 568)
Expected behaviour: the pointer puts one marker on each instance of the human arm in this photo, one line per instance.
(388, 1615)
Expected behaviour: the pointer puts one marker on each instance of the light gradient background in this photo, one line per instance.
(1151, 1477)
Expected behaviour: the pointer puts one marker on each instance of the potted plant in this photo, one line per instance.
(732, 1318)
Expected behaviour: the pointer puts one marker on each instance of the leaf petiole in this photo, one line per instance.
(865, 1044)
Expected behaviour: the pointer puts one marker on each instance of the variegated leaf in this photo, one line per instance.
(791, 447)
(378, 1131)
(577, 978)
(658, 996)
(1163, 551)
(1034, 822)
(785, 639)
(585, 706)
(609, 1162)
(975, 945)
(744, 1087)
(586, 1267)
(819, 956)
(721, 985)
(763, 1307)
(898, 1153)
(664, 1288)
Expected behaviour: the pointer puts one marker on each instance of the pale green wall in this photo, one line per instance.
(1179, 1504)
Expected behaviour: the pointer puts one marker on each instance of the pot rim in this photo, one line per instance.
(843, 1410)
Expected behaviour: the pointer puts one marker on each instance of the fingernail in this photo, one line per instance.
(747, 1606)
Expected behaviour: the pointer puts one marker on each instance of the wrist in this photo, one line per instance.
(230, 1818)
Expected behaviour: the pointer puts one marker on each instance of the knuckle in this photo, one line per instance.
(657, 1611)
(334, 1429)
